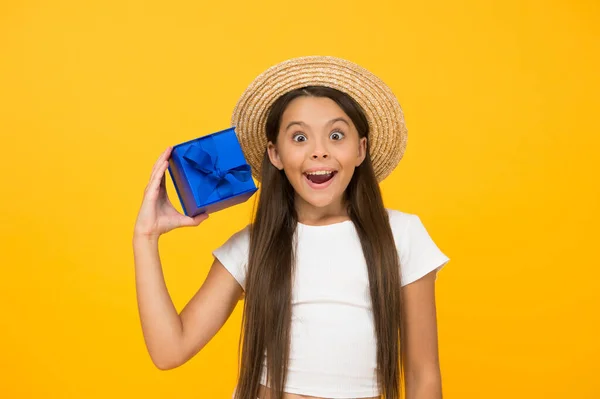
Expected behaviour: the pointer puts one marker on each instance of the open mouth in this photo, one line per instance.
(320, 178)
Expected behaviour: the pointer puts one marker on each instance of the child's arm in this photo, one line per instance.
(422, 367)
(171, 338)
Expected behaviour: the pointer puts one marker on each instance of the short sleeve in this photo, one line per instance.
(419, 255)
(233, 254)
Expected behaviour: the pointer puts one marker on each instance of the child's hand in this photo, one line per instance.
(157, 215)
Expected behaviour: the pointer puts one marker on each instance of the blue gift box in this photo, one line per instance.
(210, 173)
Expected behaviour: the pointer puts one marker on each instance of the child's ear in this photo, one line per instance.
(274, 155)
(362, 150)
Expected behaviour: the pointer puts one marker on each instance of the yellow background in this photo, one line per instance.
(501, 101)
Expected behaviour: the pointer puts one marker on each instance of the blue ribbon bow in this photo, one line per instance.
(203, 158)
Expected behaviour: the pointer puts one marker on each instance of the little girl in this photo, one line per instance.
(339, 291)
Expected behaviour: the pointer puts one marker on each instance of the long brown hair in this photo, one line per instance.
(268, 299)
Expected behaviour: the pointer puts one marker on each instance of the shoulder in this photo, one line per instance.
(419, 254)
(400, 221)
(233, 254)
(408, 230)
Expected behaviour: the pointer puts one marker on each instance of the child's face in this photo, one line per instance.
(316, 135)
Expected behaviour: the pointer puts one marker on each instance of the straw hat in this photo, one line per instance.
(387, 129)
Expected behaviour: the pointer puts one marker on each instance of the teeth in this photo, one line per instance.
(320, 172)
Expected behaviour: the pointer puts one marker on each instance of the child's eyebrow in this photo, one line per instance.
(331, 122)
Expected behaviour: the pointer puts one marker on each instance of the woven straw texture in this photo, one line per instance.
(387, 128)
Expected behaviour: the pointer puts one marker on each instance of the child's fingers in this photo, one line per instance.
(154, 170)
(157, 167)
(194, 221)
(201, 218)
(164, 156)
(158, 176)
(163, 180)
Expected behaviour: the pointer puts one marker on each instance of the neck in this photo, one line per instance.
(312, 215)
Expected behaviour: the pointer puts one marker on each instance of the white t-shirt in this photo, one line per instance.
(333, 341)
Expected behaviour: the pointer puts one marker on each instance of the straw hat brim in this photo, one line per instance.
(387, 129)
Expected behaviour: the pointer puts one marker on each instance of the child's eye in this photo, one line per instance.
(337, 135)
(299, 135)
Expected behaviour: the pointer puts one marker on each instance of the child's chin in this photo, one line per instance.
(318, 200)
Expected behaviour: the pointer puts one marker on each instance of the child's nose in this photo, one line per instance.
(320, 154)
(320, 151)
